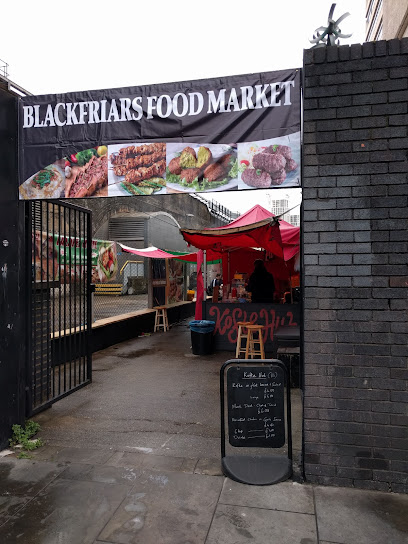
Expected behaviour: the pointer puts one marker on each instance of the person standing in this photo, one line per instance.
(261, 283)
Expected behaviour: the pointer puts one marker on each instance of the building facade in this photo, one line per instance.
(386, 19)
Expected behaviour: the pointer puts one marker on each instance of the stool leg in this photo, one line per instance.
(238, 350)
(156, 321)
(261, 345)
(248, 343)
(166, 322)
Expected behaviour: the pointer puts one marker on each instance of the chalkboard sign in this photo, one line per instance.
(255, 396)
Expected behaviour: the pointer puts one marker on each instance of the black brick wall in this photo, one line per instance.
(355, 192)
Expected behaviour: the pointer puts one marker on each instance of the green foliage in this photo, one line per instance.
(22, 438)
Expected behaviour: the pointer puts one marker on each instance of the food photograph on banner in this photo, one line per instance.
(79, 175)
(270, 163)
(137, 169)
(201, 168)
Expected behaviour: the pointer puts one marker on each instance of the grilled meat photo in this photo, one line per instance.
(215, 171)
(190, 174)
(284, 150)
(144, 160)
(290, 165)
(254, 178)
(90, 178)
(225, 160)
(268, 162)
(174, 166)
(133, 151)
(278, 177)
(140, 174)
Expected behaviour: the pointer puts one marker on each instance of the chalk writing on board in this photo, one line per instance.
(255, 398)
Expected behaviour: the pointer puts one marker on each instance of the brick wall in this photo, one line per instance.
(355, 265)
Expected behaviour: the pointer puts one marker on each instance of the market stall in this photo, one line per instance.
(255, 235)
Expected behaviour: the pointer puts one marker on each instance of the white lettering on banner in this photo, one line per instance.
(125, 114)
(175, 105)
(261, 101)
(200, 103)
(275, 95)
(71, 115)
(159, 106)
(103, 111)
(37, 117)
(49, 117)
(217, 104)
(287, 85)
(136, 105)
(247, 93)
(28, 116)
(82, 113)
(150, 107)
(180, 105)
(113, 112)
(233, 101)
(58, 122)
(93, 113)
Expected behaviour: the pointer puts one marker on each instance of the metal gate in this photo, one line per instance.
(59, 246)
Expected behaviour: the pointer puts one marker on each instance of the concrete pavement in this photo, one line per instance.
(134, 458)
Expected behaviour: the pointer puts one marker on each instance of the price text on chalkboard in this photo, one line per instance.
(256, 411)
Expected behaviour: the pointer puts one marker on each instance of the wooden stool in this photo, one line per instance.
(161, 319)
(241, 334)
(251, 351)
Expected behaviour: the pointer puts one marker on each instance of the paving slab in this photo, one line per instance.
(286, 496)
(26, 476)
(212, 466)
(165, 508)
(65, 454)
(158, 462)
(242, 525)
(66, 512)
(10, 505)
(352, 516)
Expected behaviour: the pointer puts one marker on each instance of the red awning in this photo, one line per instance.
(156, 253)
(255, 228)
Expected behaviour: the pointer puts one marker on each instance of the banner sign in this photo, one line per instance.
(63, 259)
(232, 133)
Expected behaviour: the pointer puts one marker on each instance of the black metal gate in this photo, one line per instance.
(59, 246)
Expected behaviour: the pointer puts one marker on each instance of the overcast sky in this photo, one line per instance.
(57, 47)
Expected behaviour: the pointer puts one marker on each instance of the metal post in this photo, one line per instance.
(205, 270)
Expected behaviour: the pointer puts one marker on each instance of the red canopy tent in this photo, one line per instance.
(257, 228)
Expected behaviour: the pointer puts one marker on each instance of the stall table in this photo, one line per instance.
(272, 316)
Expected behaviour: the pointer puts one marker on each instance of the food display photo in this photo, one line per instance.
(176, 281)
(82, 174)
(270, 163)
(137, 169)
(104, 262)
(46, 183)
(201, 167)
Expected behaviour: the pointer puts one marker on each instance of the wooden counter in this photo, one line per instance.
(272, 316)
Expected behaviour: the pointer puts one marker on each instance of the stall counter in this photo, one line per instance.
(226, 315)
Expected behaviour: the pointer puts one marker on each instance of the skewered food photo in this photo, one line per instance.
(137, 169)
(201, 167)
(270, 163)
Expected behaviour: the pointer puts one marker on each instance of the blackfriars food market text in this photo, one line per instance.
(181, 104)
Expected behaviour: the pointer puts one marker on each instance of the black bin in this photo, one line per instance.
(202, 337)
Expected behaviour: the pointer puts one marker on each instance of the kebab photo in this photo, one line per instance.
(202, 168)
(86, 173)
(268, 166)
(139, 170)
